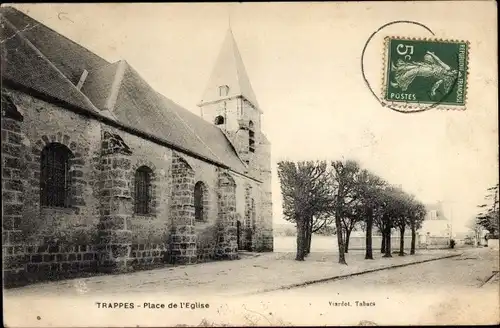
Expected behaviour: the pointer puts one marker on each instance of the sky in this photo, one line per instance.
(303, 61)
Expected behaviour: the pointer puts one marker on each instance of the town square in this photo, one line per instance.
(248, 164)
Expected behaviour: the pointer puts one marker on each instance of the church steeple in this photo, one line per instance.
(229, 78)
(230, 103)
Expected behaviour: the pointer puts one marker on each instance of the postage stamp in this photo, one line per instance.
(425, 73)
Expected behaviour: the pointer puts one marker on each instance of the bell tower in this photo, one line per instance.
(230, 103)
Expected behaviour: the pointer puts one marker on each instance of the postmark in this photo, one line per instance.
(425, 73)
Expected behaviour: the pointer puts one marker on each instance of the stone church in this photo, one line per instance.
(101, 173)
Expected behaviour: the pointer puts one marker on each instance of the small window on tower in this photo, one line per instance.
(219, 120)
(223, 90)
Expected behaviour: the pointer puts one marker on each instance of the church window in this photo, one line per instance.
(219, 120)
(55, 176)
(199, 201)
(251, 137)
(142, 192)
(223, 90)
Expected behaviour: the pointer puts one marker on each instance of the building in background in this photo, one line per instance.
(436, 227)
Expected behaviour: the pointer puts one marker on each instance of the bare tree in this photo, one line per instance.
(369, 190)
(402, 210)
(390, 208)
(402, 222)
(416, 218)
(352, 217)
(343, 187)
(305, 193)
(317, 223)
(382, 221)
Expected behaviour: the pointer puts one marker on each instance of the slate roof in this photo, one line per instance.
(229, 70)
(41, 59)
(24, 64)
(68, 56)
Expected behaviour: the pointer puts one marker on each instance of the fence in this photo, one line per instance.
(427, 242)
(329, 243)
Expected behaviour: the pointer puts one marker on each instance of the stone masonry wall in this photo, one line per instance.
(115, 237)
(264, 229)
(13, 252)
(99, 231)
(183, 235)
(58, 242)
(227, 247)
(206, 232)
(248, 226)
(238, 113)
(150, 231)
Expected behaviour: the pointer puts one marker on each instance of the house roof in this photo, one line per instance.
(229, 70)
(41, 59)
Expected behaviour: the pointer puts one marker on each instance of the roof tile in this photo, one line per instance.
(42, 59)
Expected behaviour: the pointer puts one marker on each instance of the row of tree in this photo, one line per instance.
(317, 194)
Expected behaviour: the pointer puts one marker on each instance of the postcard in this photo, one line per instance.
(250, 164)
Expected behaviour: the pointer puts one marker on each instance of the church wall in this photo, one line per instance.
(265, 231)
(99, 232)
(55, 242)
(205, 231)
(208, 231)
(13, 189)
(149, 240)
(237, 113)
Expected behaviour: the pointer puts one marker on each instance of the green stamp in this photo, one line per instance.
(423, 74)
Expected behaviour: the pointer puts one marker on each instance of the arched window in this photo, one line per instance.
(55, 179)
(199, 199)
(142, 192)
(251, 137)
(219, 120)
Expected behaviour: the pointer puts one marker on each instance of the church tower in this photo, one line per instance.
(229, 102)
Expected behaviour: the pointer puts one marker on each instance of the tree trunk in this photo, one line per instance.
(347, 237)
(384, 239)
(306, 236)
(388, 242)
(402, 241)
(309, 237)
(300, 241)
(413, 239)
(340, 239)
(309, 243)
(369, 226)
